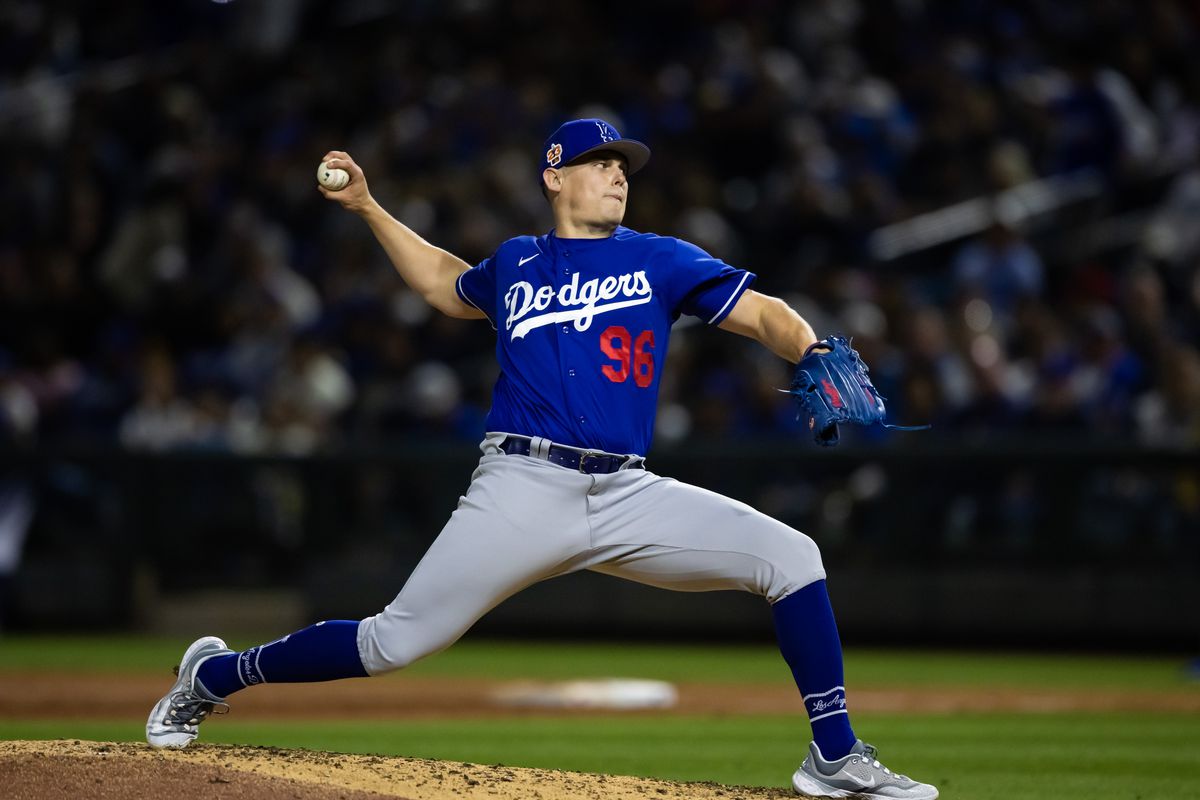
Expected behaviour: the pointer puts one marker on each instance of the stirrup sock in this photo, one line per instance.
(326, 651)
(808, 640)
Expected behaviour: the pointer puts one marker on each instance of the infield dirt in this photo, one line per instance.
(84, 770)
(72, 695)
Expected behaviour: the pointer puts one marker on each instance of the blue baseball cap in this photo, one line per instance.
(577, 138)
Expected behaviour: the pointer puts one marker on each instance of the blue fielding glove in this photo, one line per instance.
(831, 386)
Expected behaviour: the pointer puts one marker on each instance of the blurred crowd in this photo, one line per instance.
(170, 277)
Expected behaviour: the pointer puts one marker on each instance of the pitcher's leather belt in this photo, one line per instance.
(592, 462)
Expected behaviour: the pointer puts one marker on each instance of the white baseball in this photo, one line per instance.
(332, 178)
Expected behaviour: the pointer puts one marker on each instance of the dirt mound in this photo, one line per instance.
(84, 770)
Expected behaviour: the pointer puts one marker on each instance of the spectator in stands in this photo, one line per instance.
(1169, 415)
(1000, 267)
(162, 418)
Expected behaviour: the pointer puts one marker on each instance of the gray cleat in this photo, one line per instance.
(858, 774)
(176, 718)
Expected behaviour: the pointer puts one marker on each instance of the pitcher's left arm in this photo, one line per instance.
(771, 322)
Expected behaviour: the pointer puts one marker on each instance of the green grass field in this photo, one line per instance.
(970, 756)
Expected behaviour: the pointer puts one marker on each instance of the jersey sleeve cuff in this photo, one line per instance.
(458, 288)
(747, 280)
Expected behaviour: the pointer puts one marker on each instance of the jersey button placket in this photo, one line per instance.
(565, 328)
(564, 357)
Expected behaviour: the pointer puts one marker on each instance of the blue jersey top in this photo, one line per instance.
(582, 328)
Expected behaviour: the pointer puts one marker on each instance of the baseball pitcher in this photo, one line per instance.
(582, 317)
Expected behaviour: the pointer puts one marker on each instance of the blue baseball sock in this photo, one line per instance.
(808, 640)
(322, 652)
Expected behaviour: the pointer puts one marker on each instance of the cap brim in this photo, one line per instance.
(636, 153)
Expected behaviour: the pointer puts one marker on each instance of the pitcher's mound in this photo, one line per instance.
(82, 770)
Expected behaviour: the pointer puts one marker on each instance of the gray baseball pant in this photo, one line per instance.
(524, 520)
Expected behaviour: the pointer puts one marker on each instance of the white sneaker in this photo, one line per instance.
(175, 720)
(858, 774)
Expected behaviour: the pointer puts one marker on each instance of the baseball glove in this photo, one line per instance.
(831, 386)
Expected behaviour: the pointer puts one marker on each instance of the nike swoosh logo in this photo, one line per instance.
(521, 261)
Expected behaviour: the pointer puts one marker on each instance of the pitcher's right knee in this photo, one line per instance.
(394, 638)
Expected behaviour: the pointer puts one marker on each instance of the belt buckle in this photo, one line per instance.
(583, 457)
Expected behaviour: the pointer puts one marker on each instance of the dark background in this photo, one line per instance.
(211, 380)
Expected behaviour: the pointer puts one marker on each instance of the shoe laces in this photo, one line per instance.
(870, 755)
(188, 708)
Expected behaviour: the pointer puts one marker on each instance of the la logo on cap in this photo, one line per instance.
(577, 138)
